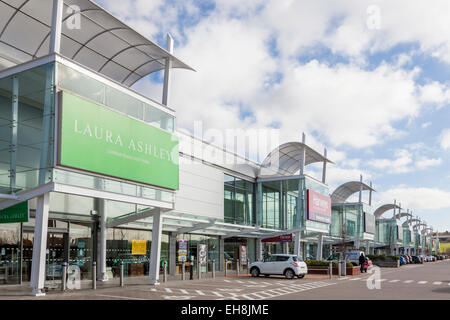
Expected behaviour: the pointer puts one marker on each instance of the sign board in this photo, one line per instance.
(282, 238)
(318, 206)
(243, 255)
(139, 247)
(17, 213)
(202, 253)
(182, 250)
(97, 139)
(369, 223)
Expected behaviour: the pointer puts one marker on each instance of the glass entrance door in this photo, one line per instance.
(66, 242)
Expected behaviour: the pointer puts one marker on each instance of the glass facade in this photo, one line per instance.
(280, 206)
(26, 129)
(347, 221)
(387, 231)
(96, 91)
(238, 201)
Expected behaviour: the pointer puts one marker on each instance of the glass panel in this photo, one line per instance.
(119, 245)
(87, 87)
(33, 134)
(9, 253)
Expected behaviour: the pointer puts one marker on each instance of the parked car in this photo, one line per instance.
(288, 265)
(402, 260)
(416, 259)
(407, 261)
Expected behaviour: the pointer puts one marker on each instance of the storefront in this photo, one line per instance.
(352, 223)
(93, 171)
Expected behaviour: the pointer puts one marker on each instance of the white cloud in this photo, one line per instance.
(426, 124)
(417, 198)
(338, 175)
(402, 162)
(445, 139)
(424, 163)
(406, 160)
(435, 93)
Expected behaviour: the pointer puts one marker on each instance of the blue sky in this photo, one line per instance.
(370, 80)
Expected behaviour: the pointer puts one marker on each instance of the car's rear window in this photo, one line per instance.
(282, 258)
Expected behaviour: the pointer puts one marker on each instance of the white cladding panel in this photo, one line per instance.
(201, 190)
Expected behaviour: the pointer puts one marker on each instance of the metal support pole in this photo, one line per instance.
(330, 269)
(94, 275)
(214, 268)
(55, 34)
(183, 267)
(324, 168)
(237, 267)
(191, 271)
(199, 270)
(226, 267)
(164, 271)
(121, 273)
(40, 245)
(64, 277)
(14, 121)
(248, 265)
(167, 71)
(155, 252)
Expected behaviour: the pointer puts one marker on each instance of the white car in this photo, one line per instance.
(288, 265)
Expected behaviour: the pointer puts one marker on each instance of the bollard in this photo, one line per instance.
(183, 266)
(199, 270)
(64, 276)
(339, 268)
(344, 268)
(330, 269)
(94, 275)
(237, 267)
(164, 271)
(226, 267)
(121, 273)
(214, 268)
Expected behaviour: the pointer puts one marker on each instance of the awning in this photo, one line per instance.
(101, 42)
(382, 209)
(344, 191)
(286, 158)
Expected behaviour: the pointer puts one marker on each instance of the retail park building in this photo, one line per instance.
(91, 170)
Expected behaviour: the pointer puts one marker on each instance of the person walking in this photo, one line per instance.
(362, 260)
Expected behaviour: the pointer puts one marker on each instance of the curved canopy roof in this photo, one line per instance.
(403, 214)
(379, 212)
(344, 191)
(101, 43)
(285, 159)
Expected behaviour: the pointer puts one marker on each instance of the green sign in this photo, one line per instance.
(16, 213)
(97, 139)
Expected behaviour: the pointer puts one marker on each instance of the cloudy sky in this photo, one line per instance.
(370, 80)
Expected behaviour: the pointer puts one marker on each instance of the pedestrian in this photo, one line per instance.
(362, 259)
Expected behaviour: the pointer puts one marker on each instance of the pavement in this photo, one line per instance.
(425, 281)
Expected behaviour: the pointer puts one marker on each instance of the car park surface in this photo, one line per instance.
(412, 281)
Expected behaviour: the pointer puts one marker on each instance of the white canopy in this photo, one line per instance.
(379, 212)
(286, 158)
(101, 43)
(344, 191)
